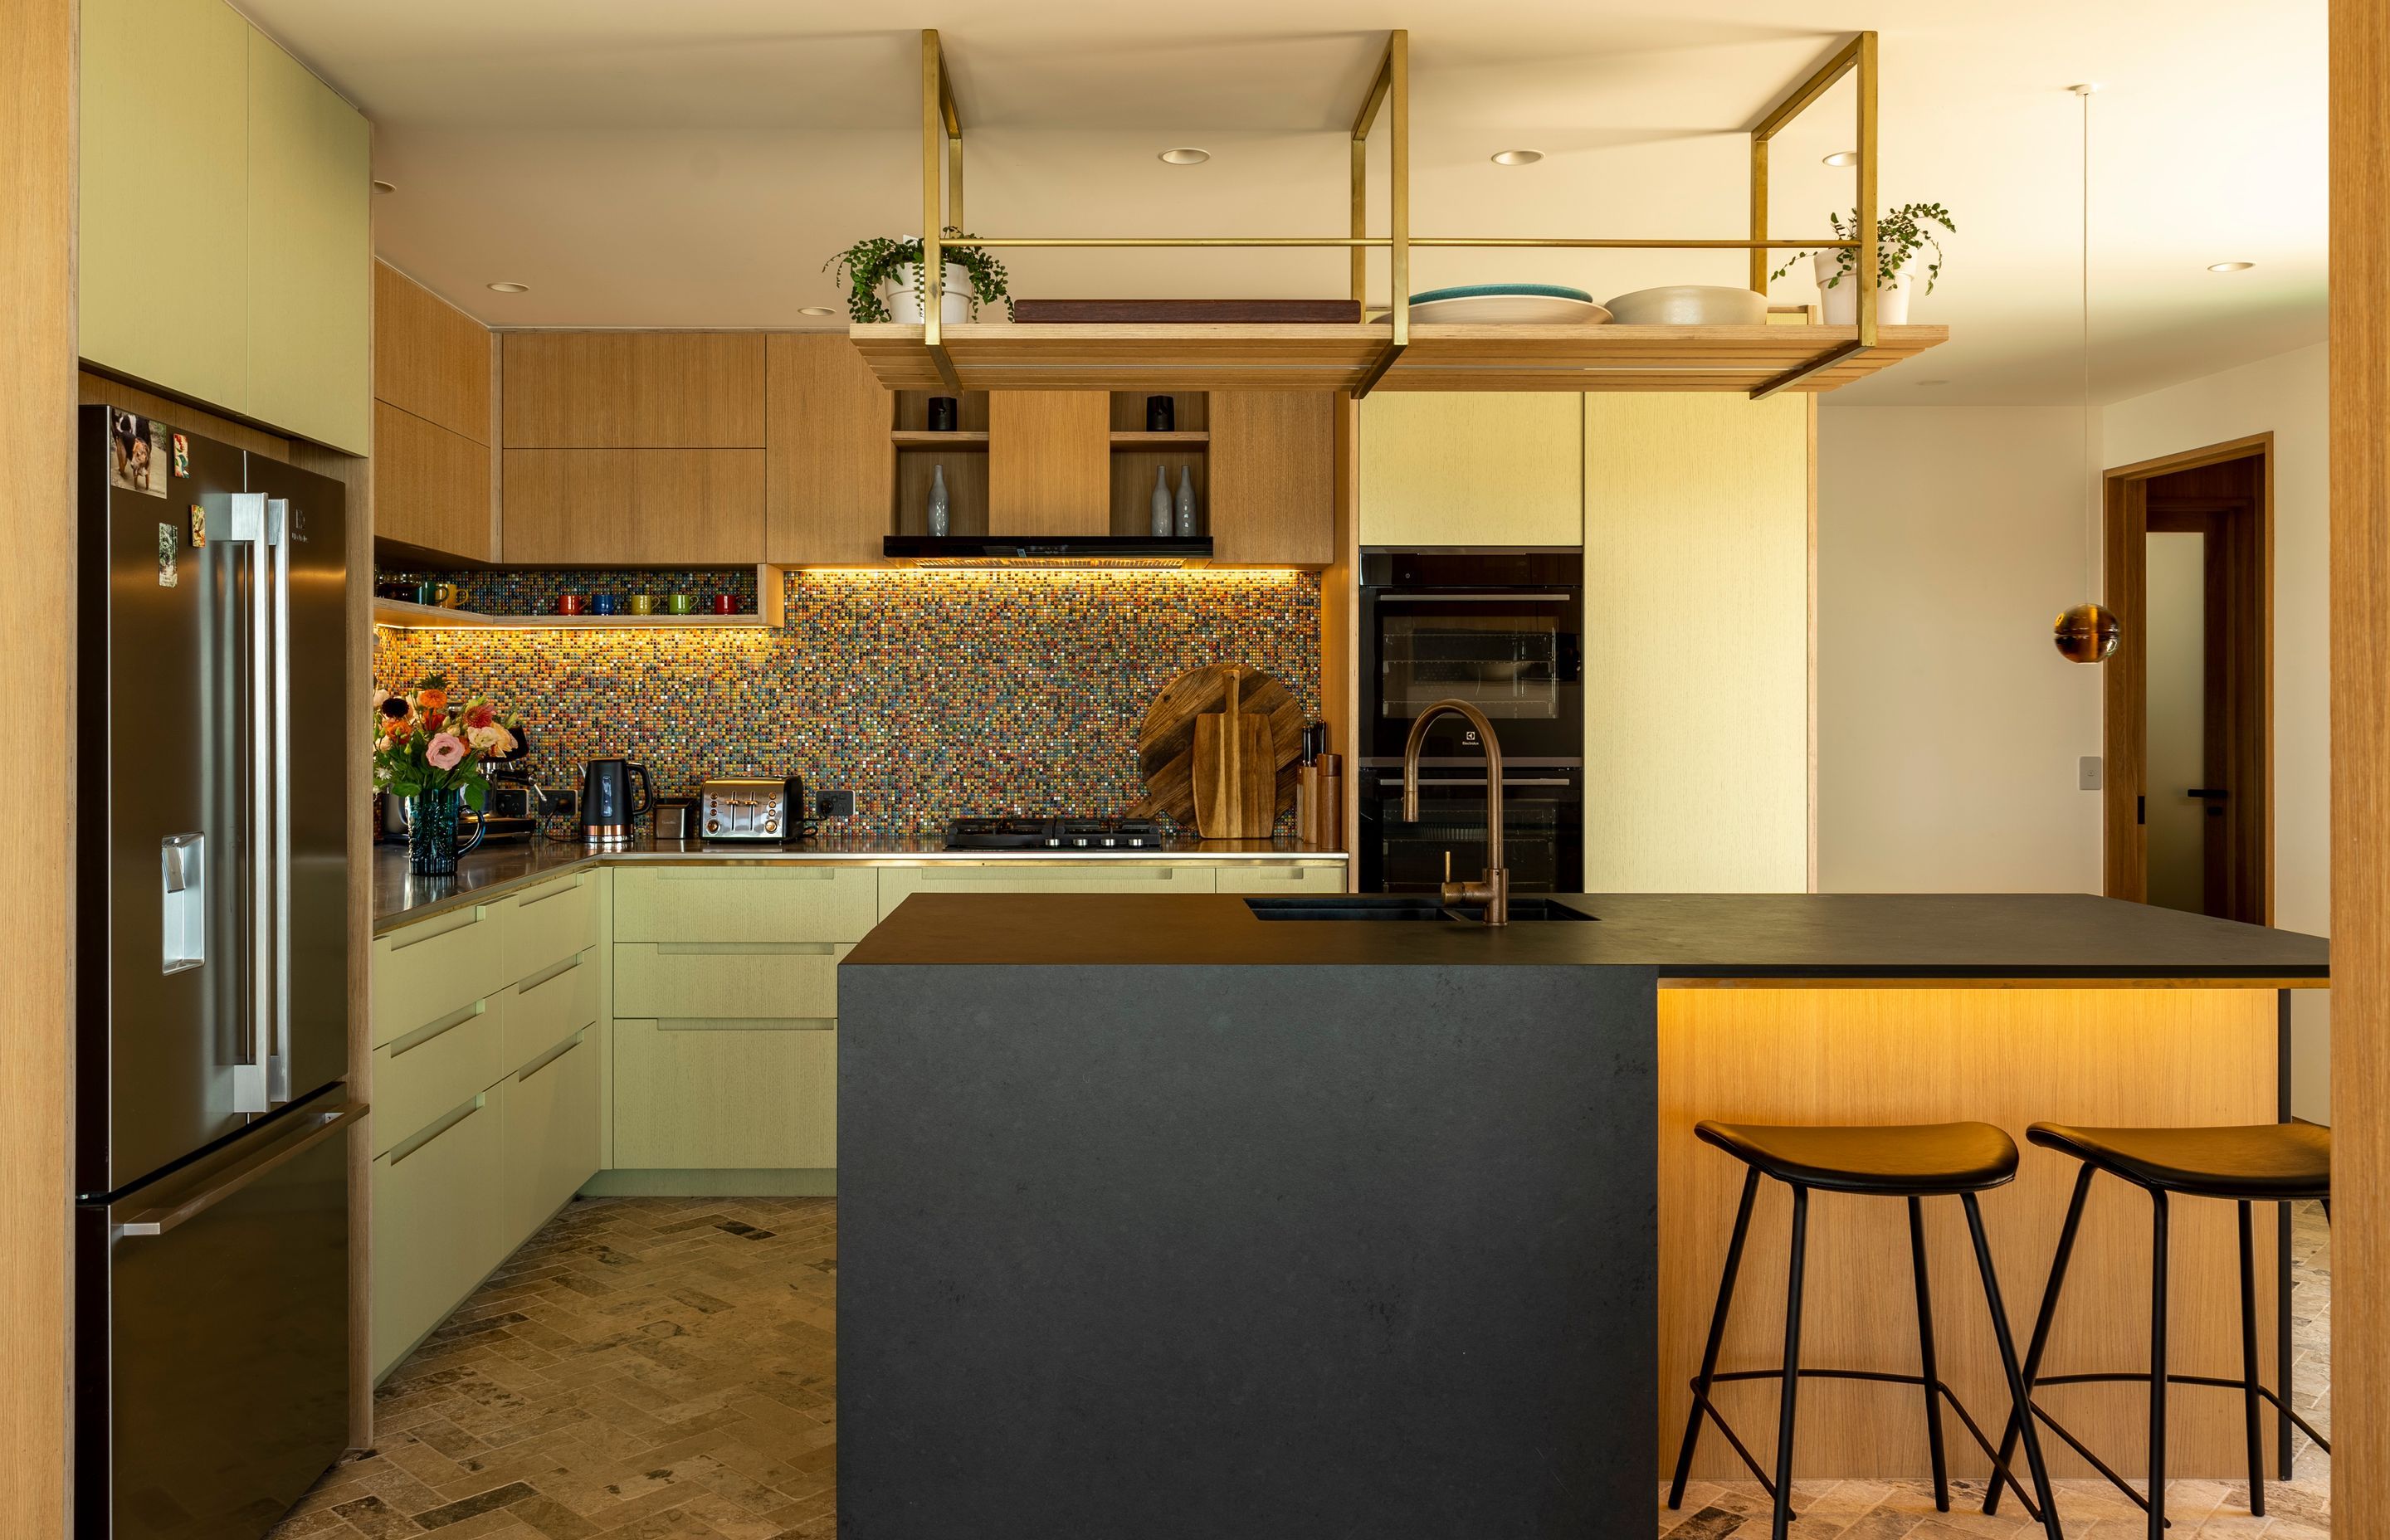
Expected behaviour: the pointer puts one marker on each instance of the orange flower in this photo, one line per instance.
(431, 701)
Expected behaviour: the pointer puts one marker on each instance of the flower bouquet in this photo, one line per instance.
(432, 751)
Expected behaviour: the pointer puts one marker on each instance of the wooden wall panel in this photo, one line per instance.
(635, 506)
(429, 358)
(1049, 462)
(431, 487)
(2008, 1057)
(1273, 477)
(827, 492)
(37, 771)
(1340, 620)
(1696, 642)
(2360, 765)
(634, 389)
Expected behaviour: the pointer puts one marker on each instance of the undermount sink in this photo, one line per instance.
(1347, 906)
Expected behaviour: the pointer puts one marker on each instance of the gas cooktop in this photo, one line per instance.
(1055, 834)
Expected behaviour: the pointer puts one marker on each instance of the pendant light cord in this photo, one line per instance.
(2092, 522)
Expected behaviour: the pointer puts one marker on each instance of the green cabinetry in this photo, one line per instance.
(225, 239)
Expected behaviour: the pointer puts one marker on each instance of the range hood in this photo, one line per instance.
(1119, 552)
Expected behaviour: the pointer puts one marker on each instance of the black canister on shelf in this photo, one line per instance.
(944, 414)
(1160, 413)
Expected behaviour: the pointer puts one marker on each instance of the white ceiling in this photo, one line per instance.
(694, 164)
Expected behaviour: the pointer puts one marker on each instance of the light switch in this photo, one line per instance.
(2087, 777)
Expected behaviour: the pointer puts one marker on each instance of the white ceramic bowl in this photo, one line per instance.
(1510, 310)
(1689, 304)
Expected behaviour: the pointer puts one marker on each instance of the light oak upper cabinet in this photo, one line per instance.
(1471, 469)
(163, 241)
(432, 421)
(224, 244)
(638, 448)
(826, 437)
(1697, 642)
(1273, 472)
(310, 254)
(1049, 462)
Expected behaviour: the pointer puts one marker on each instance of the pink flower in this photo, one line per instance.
(446, 752)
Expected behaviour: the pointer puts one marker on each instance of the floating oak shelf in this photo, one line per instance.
(401, 615)
(1001, 357)
(960, 441)
(1141, 439)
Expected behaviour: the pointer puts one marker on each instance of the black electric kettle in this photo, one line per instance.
(607, 807)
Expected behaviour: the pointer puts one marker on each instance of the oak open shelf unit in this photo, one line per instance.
(406, 615)
(1393, 353)
(1135, 455)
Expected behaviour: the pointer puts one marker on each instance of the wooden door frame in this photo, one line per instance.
(2123, 716)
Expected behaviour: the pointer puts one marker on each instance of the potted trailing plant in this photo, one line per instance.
(432, 751)
(1900, 236)
(885, 282)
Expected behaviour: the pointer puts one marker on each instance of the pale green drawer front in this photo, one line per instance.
(674, 904)
(725, 1095)
(440, 1222)
(549, 1007)
(425, 970)
(1258, 877)
(310, 254)
(162, 239)
(549, 923)
(430, 1069)
(898, 883)
(551, 1132)
(727, 979)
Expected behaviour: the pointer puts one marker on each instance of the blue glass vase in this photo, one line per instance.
(431, 820)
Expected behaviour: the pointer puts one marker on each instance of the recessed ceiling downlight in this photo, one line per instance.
(1517, 156)
(1843, 157)
(2230, 266)
(512, 287)
(380, 185)
(1185, 156)
(816, 309)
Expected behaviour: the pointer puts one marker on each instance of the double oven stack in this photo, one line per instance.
(1502, 629)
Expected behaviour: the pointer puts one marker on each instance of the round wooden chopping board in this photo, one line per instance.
(1165, 745)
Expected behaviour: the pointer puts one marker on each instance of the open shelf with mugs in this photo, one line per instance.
(524, 603)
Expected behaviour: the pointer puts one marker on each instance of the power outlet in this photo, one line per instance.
(834, 804)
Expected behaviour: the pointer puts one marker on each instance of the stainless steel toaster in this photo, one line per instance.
(761, 808)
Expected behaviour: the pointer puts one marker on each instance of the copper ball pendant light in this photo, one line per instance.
(2087, 633)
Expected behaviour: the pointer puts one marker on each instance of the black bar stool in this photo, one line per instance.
(2270, 1162)
(1926, 1160)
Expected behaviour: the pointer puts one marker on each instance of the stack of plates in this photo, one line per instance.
(1507, 304)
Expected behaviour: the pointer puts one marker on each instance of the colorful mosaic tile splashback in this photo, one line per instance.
(929, 695)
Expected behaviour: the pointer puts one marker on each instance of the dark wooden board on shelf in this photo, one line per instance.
(1165, 745)
(1187, 312)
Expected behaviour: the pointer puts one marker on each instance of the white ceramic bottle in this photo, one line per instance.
(940, 510)
(1160, 502)
(1186, 503)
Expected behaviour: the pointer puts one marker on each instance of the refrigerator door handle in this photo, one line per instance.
(247, 526)
(309, 1132)
(277, 550)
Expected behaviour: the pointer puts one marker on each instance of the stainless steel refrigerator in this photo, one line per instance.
(211, 1267)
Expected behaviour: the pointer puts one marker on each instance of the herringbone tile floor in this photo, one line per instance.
(664, 1369)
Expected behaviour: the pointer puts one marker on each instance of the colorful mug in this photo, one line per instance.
(683, 604)
(605, 604)
(642, 604)
(725, 604)
(569, 604)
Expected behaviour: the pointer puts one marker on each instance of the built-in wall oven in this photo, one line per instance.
(1502, 629)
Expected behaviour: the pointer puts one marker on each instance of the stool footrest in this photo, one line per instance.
(2000, 1472)
(2141, 1376)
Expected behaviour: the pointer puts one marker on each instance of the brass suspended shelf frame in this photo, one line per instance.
(1761, 360)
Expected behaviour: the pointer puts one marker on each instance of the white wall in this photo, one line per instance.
(1948, 727)
(2286, 395)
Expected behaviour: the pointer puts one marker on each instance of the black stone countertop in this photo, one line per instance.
(400, 897)
(1980, 936)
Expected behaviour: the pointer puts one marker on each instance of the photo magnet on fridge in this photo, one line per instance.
(182, 455)
(199, 525)
(170, 541)
(137, 453)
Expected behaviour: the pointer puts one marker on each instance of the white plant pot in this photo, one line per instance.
(905, 306)
(1842, 299)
